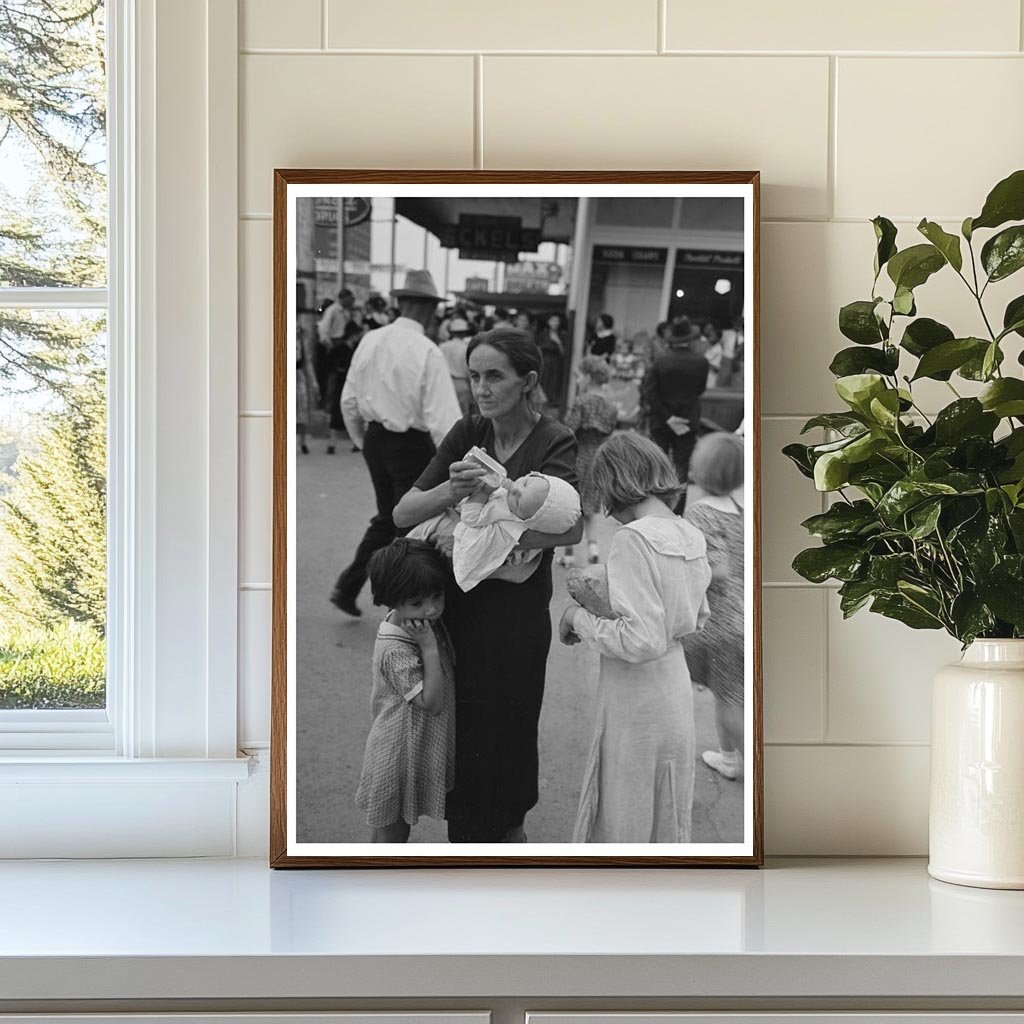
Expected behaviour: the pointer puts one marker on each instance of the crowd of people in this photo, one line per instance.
(480, 476)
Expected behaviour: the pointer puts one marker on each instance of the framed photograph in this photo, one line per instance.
(516, 586)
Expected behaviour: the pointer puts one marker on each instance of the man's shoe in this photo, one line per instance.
(345, 603)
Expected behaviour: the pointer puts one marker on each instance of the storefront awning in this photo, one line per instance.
(532, 302)
(555, 218)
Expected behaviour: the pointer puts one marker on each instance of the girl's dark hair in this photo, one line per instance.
(606, 320)
(406, 570)
(517, 346)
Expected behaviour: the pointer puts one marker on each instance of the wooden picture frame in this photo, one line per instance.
(305, 774)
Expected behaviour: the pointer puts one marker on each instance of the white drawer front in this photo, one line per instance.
(360, 1017)
(775, 1018)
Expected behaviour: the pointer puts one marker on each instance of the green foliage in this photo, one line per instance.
(63, 667)
(927, 526)
(53, 520)
(52, 234)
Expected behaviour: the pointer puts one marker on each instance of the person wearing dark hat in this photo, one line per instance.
(671, 394)
(398, 403)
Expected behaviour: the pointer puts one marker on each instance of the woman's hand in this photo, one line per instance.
(464, 479)
(566, 632)
(421, 631)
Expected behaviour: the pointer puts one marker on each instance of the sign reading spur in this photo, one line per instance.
(488, 237)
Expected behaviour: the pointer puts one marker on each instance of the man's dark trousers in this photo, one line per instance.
(395, 462)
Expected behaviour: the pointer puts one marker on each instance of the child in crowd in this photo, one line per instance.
(716, 655)
(409, 762)
(639, 779)
(485, 528)
(592, 418)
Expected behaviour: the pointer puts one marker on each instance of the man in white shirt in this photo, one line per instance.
(398, 404)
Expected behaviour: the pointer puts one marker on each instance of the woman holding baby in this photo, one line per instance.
(501, 629)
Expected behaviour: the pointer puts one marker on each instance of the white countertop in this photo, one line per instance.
(234, 929)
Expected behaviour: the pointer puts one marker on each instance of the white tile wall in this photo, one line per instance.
(873, 25)
(471, 25)
(920, 122)
(695, 113)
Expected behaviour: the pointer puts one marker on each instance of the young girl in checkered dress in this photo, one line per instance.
(409, 763)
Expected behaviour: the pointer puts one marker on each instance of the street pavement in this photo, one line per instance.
(334, 503)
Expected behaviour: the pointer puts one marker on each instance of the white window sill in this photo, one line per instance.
(74, 766)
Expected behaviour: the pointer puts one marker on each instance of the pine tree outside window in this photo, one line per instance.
(53, 370)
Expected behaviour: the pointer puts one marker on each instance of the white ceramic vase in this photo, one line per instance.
(976, 813)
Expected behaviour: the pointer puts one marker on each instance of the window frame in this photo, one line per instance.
(173, 214)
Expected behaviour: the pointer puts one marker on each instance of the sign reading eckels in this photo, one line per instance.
(485, 233)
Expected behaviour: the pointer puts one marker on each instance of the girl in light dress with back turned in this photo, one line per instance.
(639, 779)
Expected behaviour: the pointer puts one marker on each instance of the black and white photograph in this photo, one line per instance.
(515, 507)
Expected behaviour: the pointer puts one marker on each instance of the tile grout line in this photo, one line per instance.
(1020, 23)
(323, 24)
(833, 134)
(662, 41)
(340, 51)
(478, 111)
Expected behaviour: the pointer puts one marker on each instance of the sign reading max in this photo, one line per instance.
(489, 237)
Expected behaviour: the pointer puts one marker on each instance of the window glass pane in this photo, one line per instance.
(52, 509)
(53, 150)
(635, 211)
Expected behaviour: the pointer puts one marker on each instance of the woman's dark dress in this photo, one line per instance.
(501, 633)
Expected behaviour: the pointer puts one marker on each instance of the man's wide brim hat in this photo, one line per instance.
(418, 285)
(683, 329)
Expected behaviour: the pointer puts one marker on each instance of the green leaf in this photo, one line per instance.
(949, 355)
(1003, 255)
(858, 389)
(966, 417)
(947, 244)
(1003, 596)
(831, 471)
(970, 617)
(885, 409)
(854, 594)
(974, 368)
(857, 322)
(903, 302)
(925, 518)
(843, 521)
(1004, 397)
(885, 236)
(840, 561)
(1013, 317)
(924, 334)
(966, 229)
(799, 455)
(833, 420)
(1005, 202)
(887, 570)
(913, 266)
(850, 361)
(991, 360)
(907, 494)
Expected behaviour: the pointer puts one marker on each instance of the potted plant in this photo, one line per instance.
(927, 521)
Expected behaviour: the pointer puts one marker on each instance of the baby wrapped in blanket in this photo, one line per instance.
(488, 524)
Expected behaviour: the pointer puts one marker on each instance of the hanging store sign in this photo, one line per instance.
(531, 276)
(630, 254)
(487, 237)
(357, 209)
(709, 259)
